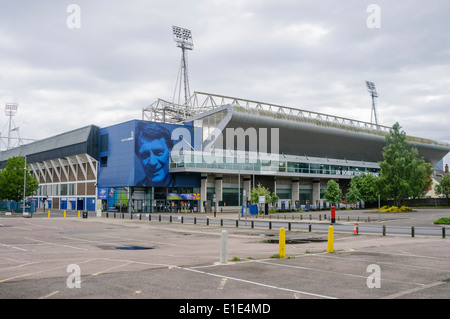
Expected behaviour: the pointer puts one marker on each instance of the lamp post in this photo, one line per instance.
(24, 184)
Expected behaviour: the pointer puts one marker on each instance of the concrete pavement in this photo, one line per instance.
(120, 258)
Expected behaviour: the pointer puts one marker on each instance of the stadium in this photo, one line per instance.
(209, 151)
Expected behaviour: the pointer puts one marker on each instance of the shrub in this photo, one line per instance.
(395, 209)
(443, 220)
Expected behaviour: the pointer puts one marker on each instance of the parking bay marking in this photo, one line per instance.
(260, 284)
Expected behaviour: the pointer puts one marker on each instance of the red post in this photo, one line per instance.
(333, 214)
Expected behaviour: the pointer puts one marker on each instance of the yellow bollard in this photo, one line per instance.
(330, 245)
(78, 214)
(49, 213)
(282, 243)
(64, 213)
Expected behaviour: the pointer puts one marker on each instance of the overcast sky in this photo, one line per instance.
(313, 55)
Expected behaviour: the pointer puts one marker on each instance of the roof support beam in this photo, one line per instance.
(80, 163)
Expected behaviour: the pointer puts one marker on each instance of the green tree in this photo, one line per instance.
(333, 193)
(274, 198)
(367, 186)
(402, 173)
(421, 178)
(11, 180)
(443, 188)
(262, 191)
(353, 195)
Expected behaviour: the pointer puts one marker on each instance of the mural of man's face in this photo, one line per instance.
(154, 155)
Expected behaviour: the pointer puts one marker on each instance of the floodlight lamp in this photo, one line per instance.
(11, 108)
(183, 38)
(371, 88)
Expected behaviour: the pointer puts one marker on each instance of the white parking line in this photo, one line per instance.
(9, 246)
(391, 263)
(329, 271)
(48, 243)
(260, 284)
(410, 291)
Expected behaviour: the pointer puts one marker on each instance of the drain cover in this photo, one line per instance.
(297, 240)
(133, 248)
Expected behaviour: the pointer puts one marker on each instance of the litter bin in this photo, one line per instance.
(85, 214)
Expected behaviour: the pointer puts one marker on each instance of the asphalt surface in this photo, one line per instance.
(41, 258)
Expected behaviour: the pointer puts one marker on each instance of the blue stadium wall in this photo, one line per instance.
(120, 166)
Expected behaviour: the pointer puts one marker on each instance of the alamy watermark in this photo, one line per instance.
(74, 279)
(374, 19)
(235, 146)
(73, 21)
(374, 280)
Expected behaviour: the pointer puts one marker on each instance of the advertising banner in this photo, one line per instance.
(153, 144)
(137, 153)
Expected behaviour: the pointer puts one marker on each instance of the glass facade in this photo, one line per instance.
(150, 199)
(226, 160)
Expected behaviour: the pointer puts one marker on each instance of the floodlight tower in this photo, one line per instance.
(373, 93)
(183, 39)
(10, 110)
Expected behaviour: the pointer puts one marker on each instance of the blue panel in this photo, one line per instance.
(153, 144)
(138, 152)
(90, 204)
(119, 168)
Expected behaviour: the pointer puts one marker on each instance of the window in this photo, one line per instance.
(63, 189)
(72, 189)
(103, 161)
(55, 190)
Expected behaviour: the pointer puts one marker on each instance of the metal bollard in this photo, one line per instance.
(282, 243)
(224, 247)
(330, 244)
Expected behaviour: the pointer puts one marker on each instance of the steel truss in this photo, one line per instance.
(200, 102)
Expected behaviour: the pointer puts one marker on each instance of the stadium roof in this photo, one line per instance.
(305, 133)
(79, 141)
